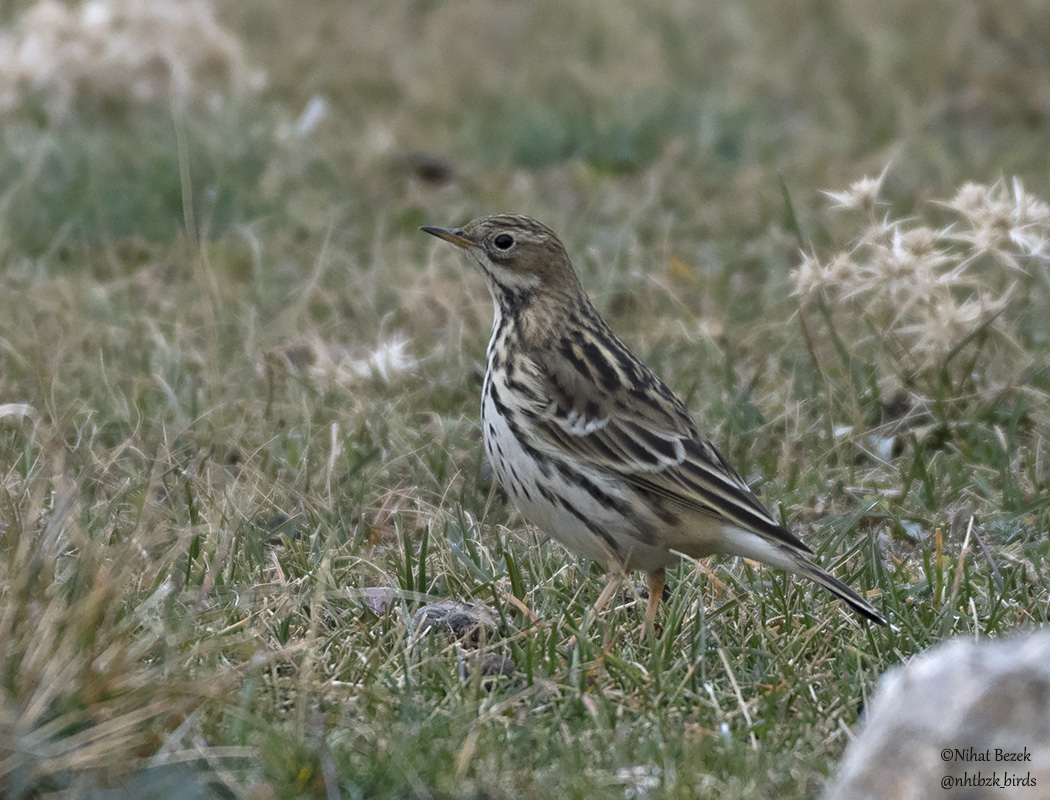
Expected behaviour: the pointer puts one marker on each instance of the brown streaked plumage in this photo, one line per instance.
(595, 449)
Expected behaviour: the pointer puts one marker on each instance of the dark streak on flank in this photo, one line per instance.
(597, 530)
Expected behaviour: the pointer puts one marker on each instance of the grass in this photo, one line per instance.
(238, 401)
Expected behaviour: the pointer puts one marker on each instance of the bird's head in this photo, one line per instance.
(523, 259)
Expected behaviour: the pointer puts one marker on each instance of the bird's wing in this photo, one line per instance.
(604, 407)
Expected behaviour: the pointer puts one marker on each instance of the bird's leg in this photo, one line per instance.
(656, 578)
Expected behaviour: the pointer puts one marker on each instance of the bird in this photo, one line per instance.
(591, 446)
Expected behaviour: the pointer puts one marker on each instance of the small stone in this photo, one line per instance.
(490, 667)
(429, 168)
(469, 623)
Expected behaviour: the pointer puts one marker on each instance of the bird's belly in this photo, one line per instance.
(577, 514)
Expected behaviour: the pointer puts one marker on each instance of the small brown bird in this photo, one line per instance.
(593, 448)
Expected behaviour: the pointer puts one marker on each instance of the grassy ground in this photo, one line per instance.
(239, 395)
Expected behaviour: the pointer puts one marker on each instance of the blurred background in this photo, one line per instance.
(328, 110)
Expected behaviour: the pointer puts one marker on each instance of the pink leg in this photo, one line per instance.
(657, 579)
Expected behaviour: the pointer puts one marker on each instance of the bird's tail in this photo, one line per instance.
(792, 558)
(807, 569)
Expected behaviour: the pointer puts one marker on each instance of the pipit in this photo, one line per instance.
(593, 448)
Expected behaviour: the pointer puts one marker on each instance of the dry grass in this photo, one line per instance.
(238, 391)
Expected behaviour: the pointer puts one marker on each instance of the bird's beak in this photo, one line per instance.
(453, 235)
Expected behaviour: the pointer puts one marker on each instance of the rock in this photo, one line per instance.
(471, 624)
(966, 721)
(428, 167)
(489, 667)
(472, 627)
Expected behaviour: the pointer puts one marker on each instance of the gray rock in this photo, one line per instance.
(470, 623)
(949, 724)
(490, 668)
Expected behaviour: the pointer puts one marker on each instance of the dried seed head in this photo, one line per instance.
(862, 195)
(904, 296)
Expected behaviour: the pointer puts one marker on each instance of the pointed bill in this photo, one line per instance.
(453, 235)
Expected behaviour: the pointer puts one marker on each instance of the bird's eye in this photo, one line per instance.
(504, 241)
